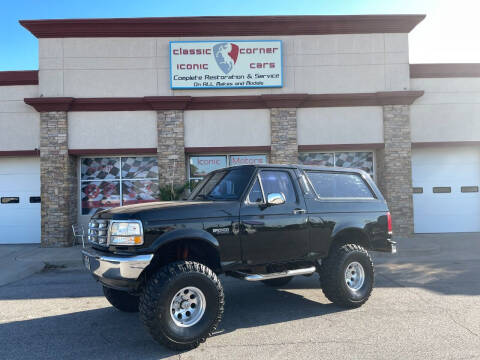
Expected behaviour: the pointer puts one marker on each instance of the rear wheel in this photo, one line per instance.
(182, 304)
(278, 281)
(347, 276)
(122, 300)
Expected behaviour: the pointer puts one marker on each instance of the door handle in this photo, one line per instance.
(299, 211)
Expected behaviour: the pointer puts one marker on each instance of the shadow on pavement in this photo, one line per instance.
(110, 334)
(448, 278)
(448, 264)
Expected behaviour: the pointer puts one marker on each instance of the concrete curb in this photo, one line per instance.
(21, 261)
(15, 271)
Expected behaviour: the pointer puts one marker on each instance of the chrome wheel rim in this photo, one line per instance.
(354, 276)
(187, 306)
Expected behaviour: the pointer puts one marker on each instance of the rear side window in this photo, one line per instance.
(339, 185)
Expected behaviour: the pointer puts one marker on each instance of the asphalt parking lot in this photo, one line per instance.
(426, 304)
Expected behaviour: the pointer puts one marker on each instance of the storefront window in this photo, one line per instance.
(202, 165)
(318, 159)
(115, 181)
(352, 159)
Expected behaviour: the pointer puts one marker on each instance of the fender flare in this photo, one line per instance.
(181, 234)
(344, 228)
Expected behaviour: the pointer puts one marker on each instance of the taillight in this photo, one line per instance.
(389, 222)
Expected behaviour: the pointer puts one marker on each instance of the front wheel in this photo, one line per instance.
(347, 276)
(122, 300)
(182, 304)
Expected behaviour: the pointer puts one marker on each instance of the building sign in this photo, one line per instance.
(225, 64)
(248, 160)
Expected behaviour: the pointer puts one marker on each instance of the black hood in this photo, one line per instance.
(172, 210)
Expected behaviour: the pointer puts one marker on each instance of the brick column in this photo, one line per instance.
(283, 125)
(58, 177)
(394, 164)
(171, 148)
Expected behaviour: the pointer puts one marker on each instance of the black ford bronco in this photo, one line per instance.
(256, 223)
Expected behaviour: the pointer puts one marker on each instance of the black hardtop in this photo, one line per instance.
(297, 166)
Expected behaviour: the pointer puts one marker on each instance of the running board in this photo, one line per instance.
(260, 277)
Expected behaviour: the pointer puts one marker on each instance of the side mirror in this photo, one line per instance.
(275, 199)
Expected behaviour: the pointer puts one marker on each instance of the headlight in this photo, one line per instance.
(126, 232)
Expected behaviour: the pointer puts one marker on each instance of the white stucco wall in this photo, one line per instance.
(106, 67)
(448, 111)
(227, 128)
(19, 123)
(112, 130)
(340, 125)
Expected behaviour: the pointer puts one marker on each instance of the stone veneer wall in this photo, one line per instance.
(284, 146)
(58, 177)
(171, 147)
(394, 164)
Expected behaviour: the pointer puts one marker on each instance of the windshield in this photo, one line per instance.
(223, 185)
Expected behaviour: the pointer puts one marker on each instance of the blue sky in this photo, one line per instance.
(449, 34)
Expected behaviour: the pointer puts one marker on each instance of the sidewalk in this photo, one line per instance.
(20, 261)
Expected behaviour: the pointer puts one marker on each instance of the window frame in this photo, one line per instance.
(119, 180)
(257, 176)
(318, 197)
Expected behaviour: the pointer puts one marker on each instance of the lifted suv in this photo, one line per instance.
(256, 223)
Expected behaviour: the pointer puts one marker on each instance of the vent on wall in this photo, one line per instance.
(418, 190)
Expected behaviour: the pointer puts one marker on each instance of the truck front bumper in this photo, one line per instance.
(115, 271)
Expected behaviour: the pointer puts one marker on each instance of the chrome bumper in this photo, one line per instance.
(114, 270)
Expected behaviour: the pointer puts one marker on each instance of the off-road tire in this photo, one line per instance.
(157, 296)
(121, 300)
(332, 275)
(278, 281)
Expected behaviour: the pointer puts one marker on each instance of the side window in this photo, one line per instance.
(10, 200)
(278, 182)
(339, 185)
(256, 195)
(231, 186)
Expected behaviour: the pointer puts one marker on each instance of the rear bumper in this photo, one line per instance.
(389, 246)
(118, 272)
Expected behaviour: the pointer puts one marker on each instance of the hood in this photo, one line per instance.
(172, 210)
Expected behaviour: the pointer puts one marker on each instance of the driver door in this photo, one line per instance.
(273, 233)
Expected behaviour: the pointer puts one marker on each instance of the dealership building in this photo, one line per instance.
(120, 108)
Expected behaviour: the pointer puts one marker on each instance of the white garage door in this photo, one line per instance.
(19, 200)
(446, 182)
